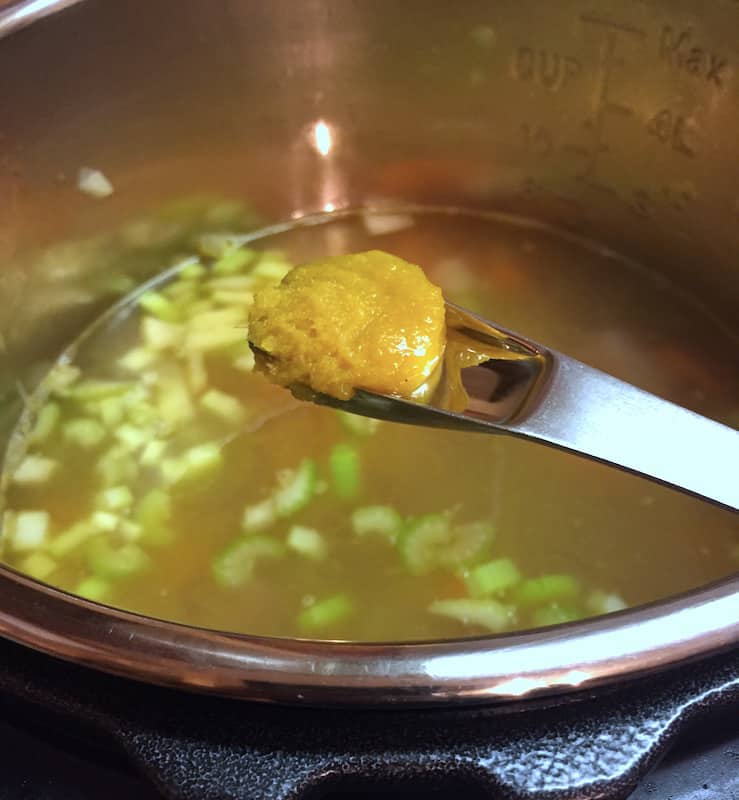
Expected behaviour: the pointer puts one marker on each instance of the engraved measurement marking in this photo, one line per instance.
(594, 19)
(677, 132)
(605, 106)
(676, 48)
(548, 68)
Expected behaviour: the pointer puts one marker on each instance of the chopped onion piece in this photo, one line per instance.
(34, 469)
(28, 529)
(94, 183)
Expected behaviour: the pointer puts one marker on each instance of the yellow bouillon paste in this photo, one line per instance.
(362, 321)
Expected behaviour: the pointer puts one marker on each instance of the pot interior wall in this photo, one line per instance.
(618, 123)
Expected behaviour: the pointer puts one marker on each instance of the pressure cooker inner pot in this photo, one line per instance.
(567, 171)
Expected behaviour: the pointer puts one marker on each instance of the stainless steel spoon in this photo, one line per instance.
(525, 389)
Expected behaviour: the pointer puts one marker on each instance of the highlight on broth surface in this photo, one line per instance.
(156, 471)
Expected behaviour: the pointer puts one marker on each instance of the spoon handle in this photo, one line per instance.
(584, 410)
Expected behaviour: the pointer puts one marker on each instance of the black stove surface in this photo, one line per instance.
(47, 758)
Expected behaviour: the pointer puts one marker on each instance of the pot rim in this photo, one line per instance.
(564, 658)
(515, 666)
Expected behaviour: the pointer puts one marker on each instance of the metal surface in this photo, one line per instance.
(194, 747)
(611, 120)
(556, 400)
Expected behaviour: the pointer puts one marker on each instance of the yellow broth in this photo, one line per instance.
(611, 537)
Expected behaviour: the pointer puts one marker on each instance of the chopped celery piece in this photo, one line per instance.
(325, 613)
(173, 397)
(27, 530)
(382, 520)
(345, 471)
(181, 294)
(111, 410)
(357, 424)
(138, 358)
(546, 589)
(605, 603)
(114, 498)
(307, 542)
(244, 362)
(197, 309)
(259, 516)
(217, 245)
(160, 306)
(201, 461)
(94, 588)
(492, 577)
(194, 270)
(105, 521)
(172, 470)
(72, 538)
(197, 375)
(271, 269)
(34, 469)
(91, 389)
(234, 566)
(296, 488)
(129, 530)
(116, 466)
(554, 614)
(142, 413)
(46, 422)
(222, 318)
(160, 335)
(38, 566)
(231, 283)
(115, 562)
(152, 452)
(233, 261)
(482, 611)
(230, 298)
(423, 540)
(61, 377)
(83, 432)
(131, 437)
(153, 513)
(214, 339)
(431, 542)
(223, 406)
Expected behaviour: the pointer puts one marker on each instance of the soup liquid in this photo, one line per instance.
(552, 512)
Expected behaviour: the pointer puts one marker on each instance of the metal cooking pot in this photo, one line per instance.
(615, 120)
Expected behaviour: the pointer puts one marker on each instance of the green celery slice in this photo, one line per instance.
(485, 612)
(233, 261)
(307, 542)
(432, 542)
(296, 488)
(83, 432)
(46, 422)
(34, 469)
(234, 566)
(94, 588)
(554, 614)
(39, 565)
(325, 613)
(115, 563)
(345, 466)
(381, 520)
(160, 306)
(259, 516)
(492, 577)
(153, 513)
(357, 424)
(545, 589)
